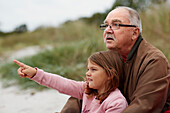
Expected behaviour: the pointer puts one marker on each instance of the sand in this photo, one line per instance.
(15, 100)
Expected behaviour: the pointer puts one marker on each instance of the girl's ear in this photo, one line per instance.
(109, 78)
(112, 73)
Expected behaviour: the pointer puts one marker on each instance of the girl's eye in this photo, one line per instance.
(93, 69)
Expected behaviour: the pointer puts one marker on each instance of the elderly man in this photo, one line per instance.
(146, 77)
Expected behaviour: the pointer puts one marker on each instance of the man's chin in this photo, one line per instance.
(110, 46)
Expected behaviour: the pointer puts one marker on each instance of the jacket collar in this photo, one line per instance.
(134, 48)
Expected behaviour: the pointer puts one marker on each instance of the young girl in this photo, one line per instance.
(99, 92)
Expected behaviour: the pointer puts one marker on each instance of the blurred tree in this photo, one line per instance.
(97, 18)
(20, 29)
(1, 32)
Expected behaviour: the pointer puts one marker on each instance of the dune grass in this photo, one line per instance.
(67, 58)
(73, 43)
(156, 27)
(70, 32)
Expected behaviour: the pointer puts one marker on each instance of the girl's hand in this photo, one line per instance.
(25, 70)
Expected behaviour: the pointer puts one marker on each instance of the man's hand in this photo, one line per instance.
(25, 70)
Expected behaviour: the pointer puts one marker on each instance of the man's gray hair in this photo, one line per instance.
(134, 17)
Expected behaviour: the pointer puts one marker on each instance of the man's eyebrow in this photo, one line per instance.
(115, 20)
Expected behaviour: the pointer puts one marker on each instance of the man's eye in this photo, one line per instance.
(115, 24)
(105, 25)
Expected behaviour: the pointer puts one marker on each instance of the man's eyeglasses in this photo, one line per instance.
(114, 26)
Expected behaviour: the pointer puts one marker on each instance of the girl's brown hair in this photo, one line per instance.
(111, 63)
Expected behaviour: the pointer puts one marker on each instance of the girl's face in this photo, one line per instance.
(96, 76)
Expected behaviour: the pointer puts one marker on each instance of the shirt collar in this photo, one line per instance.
(134, 48)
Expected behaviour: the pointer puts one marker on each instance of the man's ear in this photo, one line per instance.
(136, 32)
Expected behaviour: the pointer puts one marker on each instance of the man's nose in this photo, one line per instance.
(109, 29)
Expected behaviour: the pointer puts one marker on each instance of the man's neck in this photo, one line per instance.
(131, 51)
(124, 52)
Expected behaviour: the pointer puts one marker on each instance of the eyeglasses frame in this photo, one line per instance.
(120, 25)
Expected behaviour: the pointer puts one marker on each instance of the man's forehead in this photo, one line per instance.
(117, 19)
(112, 20)
(117, 16)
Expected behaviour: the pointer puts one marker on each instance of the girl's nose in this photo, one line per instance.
(88, 73)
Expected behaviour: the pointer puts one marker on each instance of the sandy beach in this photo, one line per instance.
(15, 100)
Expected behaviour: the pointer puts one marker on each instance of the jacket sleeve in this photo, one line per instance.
(151, 89)
(63, 85)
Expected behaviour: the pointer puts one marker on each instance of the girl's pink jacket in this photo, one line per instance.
(114, 103)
